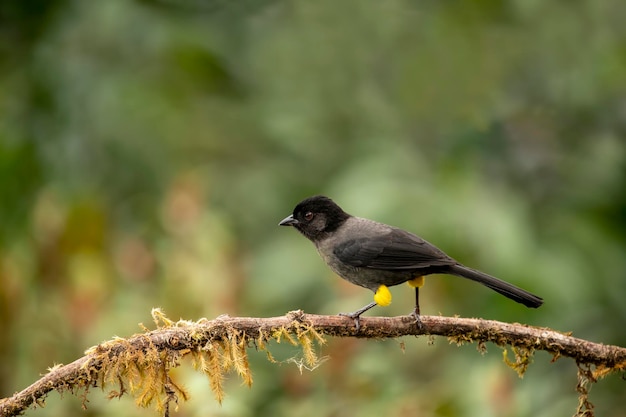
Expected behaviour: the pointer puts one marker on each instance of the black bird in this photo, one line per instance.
(376, 256)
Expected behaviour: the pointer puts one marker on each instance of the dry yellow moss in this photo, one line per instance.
(142, 370)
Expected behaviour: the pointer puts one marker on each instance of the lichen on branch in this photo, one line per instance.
(140, 365)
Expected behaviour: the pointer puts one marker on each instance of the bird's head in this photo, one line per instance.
(316, 217)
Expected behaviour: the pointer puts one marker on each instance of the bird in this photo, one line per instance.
(376, 256)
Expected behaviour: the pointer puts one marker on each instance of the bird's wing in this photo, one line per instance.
(395, 250)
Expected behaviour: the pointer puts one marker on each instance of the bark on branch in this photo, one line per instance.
(140, 364)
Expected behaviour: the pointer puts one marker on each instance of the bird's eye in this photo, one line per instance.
(308, 216)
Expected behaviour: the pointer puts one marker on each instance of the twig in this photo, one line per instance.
(105, 363)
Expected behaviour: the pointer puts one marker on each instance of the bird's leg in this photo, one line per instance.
(356, 315)
(416, 311)
(382, 297)
(417, 283)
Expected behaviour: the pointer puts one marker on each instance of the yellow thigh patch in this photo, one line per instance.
(416, 282)
(382, 296)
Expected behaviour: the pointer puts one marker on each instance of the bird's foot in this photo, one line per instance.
(356, 316)
(416, 316)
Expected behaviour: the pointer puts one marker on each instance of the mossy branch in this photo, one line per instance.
(140, 364)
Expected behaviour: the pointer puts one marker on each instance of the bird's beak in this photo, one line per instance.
(288, 221)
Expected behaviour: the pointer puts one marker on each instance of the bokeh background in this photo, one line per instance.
(149, 148)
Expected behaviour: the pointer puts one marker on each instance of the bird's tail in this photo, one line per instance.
(502, 287)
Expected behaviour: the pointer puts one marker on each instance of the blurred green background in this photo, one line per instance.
(149, 148)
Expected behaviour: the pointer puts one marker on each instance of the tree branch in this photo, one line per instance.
(140, 364)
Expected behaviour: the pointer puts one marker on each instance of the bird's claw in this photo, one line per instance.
(354, 316)
(418, 321)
